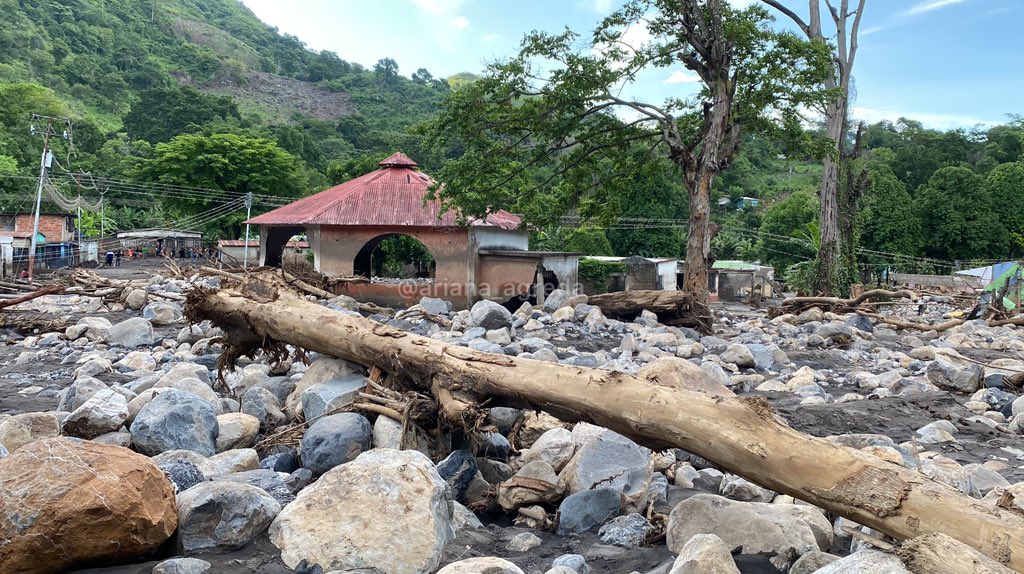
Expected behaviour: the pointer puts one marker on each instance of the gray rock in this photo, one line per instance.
(574, 562)
(628, 531)
(866, 562)
(606, 458)
(162, 312)
(704, 554)
(555, 300)
(587, 510)
(176, 420)
(490, 315)
(236, 430)
(340, 523)
(956, 376)
(334, 440)
(222, 516)
(333, 394)
(554, 447)
(738, 488)
(739, 355)
(458, 470)
(132, 332)
(523, 542)
(262, 404)
(264, 479)
(781, 531)
(535, 482)
(504, 418)
(104, 412)
(434, 306)
(80, 391)
(181, 565)
(387, 433)
(3, 451)
(481, 564)
(182, 472)
(813, 561)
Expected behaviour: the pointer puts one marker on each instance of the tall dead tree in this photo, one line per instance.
(830, 258)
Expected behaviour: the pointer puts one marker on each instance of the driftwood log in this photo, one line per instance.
(940, 554)
(675, 308)
(797, 305)
(48, 290)
(741, 434)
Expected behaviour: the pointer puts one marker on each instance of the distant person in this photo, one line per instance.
(110, 258)
(131, 253)
(24, 274)
(117, 258)
(181, 253)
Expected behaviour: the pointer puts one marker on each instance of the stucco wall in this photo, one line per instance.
(500, 239)
(567, 269)
(500, 278)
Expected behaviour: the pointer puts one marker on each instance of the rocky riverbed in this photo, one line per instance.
(122, 453)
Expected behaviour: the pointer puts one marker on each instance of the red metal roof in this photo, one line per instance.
(256, 243)
(390, 196)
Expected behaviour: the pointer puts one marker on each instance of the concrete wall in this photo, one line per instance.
(962, 282)
(499, 239)
(667, 275)
(567, 269)
(500, 278)
(339, 246)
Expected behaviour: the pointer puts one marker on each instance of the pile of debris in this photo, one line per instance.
(585, 443)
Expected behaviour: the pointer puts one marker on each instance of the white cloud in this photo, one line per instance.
(459, 23)
(929, 120)
(632, 39)
(490, 38)
(682, 77)
(601, 6)
(930, 5)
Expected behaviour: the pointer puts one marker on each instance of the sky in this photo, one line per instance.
(946, 63)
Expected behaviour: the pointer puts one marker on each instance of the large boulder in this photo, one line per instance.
(133, 332)
(489, 315)
(554, 447)
(783, 532)
(262, 404)
(555, 300)
(65, 502)
(80, 391)
(334, 440)
(605, 458)
(22, 429)
(677, 373)
(950, 374)
(105, 412)
(176, 420)
(739, 355)
(136, 299)
(349, 518)
(184, 371)
(535, 482)
(162, 313)
(222, 516)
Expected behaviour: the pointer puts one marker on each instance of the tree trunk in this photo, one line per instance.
(675, 308)
(830, 245)
(940, 554)
(698, 239)
(740, 434)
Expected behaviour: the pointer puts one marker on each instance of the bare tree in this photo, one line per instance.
(847, 22)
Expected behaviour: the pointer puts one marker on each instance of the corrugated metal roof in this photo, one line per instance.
(255, 243)
(390, 196)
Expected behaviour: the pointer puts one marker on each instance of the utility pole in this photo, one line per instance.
(44, 163)
(248, 215)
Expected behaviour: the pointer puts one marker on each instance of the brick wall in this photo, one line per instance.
(54, 227)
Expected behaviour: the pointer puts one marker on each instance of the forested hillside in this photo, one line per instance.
(181, 107)
(133, 75)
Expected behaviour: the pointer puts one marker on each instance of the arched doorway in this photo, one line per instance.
(396, 256)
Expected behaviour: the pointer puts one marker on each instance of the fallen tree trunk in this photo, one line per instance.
(937, 327)
(797, 305)
(940, 554)
(742, 435)
(48, 290)
(675, 308)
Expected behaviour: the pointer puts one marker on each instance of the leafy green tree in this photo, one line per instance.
(588, 240)
(957, 219)
(784, 231)
(887, 220)
(1005, 185)
(229, 163)
(534, 129)
(163, 113)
